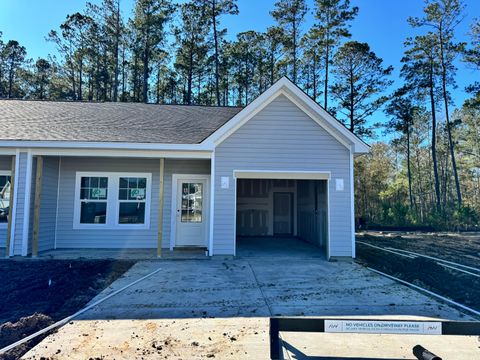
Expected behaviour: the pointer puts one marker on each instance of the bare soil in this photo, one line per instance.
(463, 249)
(36, 293)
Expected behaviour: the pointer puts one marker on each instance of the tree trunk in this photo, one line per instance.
(325, 88)
(294, 51)
(80, 80)
(145, 71)
(314, 73)
(451, 145)
(272, 67)
(434, 138)
(190, 74)
(123, 75)
(409, 171)
(11, 76)
(115, 55)
(214, 21)
(352, 104)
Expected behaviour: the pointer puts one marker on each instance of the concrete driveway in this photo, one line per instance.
(261, 287)
(220, 308)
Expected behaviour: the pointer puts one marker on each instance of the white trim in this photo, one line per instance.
(235, 215)
(284, 175)
(58, 199)
(112, 201)
(4, 225)
(26, 203)
(14, 207)
(173, 208)
(285, 87)
(328, 244)
(8, 151)
(102, 145)
(153, 154)
(212, 204)
(352, 204)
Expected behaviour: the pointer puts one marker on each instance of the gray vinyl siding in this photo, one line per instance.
(19, 211)
(67, 237)
(48, 204)
(5, 165)
(282, 137)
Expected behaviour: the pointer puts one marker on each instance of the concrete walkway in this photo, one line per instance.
(220, 308)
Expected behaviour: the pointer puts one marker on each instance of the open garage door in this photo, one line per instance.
(281, 216)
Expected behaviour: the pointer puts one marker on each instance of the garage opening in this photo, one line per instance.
(281, 217)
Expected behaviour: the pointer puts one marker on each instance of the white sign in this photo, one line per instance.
(99, 193)
(383, 327)
(137, 193)
(225, 182)
(339, 184)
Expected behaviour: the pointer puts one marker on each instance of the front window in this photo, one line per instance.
(112, 200)
(131, 196)
(4, 196)
(93, 200)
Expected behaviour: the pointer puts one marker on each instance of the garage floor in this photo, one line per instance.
(277, 247)
(221, 307)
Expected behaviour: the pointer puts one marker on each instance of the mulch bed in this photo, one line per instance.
(36, 293)
(422, 272)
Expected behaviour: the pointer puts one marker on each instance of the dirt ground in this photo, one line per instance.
(36, 293)
(463, 248)
(460, 248)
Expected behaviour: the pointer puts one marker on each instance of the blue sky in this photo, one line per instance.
(381, 23)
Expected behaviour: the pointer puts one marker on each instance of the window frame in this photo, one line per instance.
(4, 225)
(113, 201)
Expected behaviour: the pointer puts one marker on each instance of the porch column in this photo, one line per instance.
(36, 206)
(160, 208)
(10, 208)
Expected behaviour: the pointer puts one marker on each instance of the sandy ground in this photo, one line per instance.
(223, 314)
(234, 338)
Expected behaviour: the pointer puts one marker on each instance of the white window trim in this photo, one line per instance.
(5, 173)
(113, 203)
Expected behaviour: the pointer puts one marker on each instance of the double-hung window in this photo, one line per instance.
(112, 200)
(5, 186)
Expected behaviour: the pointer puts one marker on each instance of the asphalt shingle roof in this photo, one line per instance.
(110, 122)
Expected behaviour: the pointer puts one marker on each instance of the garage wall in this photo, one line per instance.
(282, 137)
(311, 212)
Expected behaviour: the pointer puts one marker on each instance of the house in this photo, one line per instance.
(130, 176)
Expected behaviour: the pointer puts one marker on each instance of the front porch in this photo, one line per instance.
(69, 207)
(124, 254)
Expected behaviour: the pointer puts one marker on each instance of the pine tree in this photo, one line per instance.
(14, 57)
(149, 24)
(290, 15)
(214, 9)
(443, 16)
(333, 17)
(360, 79)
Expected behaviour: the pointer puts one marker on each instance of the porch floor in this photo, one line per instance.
(124, 254)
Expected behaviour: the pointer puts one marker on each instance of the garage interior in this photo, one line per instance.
(282, 216)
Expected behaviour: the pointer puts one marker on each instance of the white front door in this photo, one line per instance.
(192, 211)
